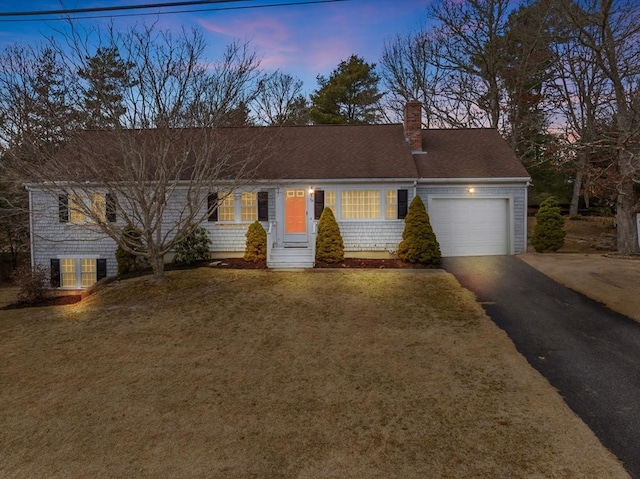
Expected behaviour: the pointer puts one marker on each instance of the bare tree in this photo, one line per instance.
(280, 101)
(610, 30)
(155, 169)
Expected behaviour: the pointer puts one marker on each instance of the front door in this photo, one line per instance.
(295, 216)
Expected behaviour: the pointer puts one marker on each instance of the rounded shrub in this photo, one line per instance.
(548, 234)
(329, 244)
(256, 246)
(129, 262)
(419, 243)
(32, 283)
(193, 247)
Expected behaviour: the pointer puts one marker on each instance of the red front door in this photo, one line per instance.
(295, 214)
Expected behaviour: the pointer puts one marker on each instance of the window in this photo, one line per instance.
(391, 208)
(252, 206)
(361, 204)
(72, 208)
(68, 272)
(98, 206)
(76, 214)
(77, 272)
(330, 200)
(226, 209)
(249, 207)
(87, 272)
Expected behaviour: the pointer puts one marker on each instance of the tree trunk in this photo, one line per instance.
(627, 206)
(157, 266)
(577, 185)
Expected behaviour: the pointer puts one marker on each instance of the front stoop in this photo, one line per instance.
(290, 258)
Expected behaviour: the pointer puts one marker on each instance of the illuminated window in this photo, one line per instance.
(98, 206)
(76, 214)
(226, 209)
(87, 272)
(249, 206)
(360, 204)
(68, 272)
(330, 200)
(391, 208)
(78, 205)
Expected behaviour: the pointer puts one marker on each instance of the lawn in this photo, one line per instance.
(260, 374)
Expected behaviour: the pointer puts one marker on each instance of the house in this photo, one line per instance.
(474, 188)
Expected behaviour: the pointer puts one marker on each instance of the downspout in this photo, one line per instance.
(31, 230)
(526, 214)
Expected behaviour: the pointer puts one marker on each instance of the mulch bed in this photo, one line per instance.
(55, 301)
(357, 263)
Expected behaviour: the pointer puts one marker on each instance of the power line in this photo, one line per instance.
(130, 7)
(72, 11)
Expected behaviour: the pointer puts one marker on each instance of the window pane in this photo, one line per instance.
(88, 272)
(330, 200)
(391, 211)
(99, 206)
(361, 204)
(68, 273)
(75, 209)
(226, 210)
(249, 207)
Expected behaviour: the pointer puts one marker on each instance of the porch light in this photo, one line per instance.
(471, 190)
(311, 190)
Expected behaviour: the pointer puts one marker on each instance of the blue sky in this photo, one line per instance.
(302, 40)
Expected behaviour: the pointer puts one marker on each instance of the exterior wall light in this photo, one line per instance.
(471, 190)
(311, 190)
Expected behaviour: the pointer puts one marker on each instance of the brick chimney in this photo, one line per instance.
(413, 125)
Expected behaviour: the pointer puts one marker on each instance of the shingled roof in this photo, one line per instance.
(340, 152)
(467, 153)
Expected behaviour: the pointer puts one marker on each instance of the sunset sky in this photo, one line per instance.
(303, 40)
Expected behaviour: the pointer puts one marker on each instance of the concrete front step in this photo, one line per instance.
(290, 258)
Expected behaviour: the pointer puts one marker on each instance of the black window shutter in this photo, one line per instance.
(101, 268)
(110, 202)
(403, 203)
(263, 206)
(63, 208)
(318, 203)
(55, 273)
(212, 202)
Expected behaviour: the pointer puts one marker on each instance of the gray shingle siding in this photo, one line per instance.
(50, 238)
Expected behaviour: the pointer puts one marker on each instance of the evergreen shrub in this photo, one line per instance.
(329, 244)
(193, 247)
(256, 247)
(548, 234)
(419, 243)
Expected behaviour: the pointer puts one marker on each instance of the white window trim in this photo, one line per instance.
(78, 269)
(237, 208)
(383, 202)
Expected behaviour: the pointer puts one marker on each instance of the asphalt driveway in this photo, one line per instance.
(586, 351)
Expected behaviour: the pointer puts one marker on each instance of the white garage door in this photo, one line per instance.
(470, 226)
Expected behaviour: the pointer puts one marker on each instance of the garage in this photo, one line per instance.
(470, 226)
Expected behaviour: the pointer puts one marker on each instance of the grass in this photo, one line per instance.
(255, 374)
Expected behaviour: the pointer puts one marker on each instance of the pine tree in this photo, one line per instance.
(107, 76)
(548, 234)
(350, 95)
(419, 243)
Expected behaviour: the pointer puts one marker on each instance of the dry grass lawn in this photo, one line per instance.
(256, 374)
